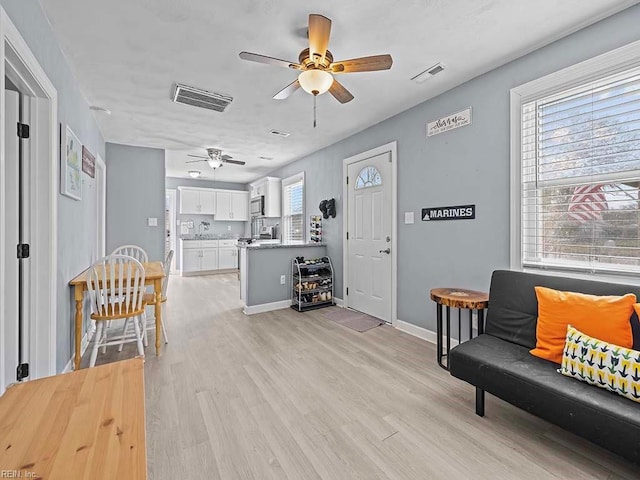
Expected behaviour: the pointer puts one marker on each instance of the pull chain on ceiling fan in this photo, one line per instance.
(316, 65)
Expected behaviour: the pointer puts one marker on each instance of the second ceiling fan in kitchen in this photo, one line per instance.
(316, 65)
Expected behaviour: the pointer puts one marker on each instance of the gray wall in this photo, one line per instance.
(236, 229)
(265, 265)
(135, 192)
(467, 165)
(76, 219)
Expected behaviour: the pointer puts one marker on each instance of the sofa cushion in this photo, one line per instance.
(606, 317)
(602, 364)
(508, 371)
(513, 307)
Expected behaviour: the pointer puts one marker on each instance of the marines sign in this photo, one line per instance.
(459, 212)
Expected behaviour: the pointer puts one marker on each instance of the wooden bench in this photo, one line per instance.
(80, 425)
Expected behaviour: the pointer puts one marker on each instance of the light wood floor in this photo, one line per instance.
(284, 395)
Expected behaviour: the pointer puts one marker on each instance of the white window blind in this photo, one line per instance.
(581, 177)
(293, 225)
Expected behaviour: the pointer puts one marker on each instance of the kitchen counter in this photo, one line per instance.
(254, 246)
(208, 236)
(263, 269)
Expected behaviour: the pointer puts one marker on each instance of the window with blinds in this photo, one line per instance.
(580, 152)
(293, 226)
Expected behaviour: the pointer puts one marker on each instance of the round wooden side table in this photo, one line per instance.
(461, 299)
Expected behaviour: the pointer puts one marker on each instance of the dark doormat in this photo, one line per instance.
(360, 322)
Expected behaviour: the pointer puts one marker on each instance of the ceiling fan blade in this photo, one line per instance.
(195, 161)
(235, 162)
(255, 57)
(363, 64)
(226, 157)
(196, 156)
(287, 91)
(339, 92)
(319, 33)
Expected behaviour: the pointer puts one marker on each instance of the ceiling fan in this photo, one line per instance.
(317, 67)
(215, 158)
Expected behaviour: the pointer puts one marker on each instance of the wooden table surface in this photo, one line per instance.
(153, 275)
(87, 424)
(460, 298)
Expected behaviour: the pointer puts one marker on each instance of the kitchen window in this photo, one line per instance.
(293, 225)
(577, 168)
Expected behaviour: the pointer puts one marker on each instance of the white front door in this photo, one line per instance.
(369, 228)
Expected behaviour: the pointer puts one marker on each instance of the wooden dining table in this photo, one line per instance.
(87, 424)
(153, 275)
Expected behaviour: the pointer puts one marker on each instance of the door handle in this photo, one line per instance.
(386, 250)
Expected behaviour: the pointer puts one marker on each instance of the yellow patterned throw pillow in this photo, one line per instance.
(602, 364)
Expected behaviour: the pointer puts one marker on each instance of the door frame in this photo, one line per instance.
(392, 149)
(173, 220)
(101, 207)
(19, 64)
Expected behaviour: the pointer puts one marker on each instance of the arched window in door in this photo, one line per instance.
(369, 176)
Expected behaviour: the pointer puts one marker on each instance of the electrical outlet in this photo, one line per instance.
(283, 279)
(229, 227)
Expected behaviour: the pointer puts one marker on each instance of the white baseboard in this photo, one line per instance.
(86, 340)
(421, 332)
(68, 367)
(266, 307)
(208, 272)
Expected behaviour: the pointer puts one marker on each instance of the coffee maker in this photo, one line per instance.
(266, 232)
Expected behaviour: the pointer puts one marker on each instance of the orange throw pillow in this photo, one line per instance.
(606, 318)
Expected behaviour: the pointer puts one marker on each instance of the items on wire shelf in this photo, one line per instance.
(312, 283)
(316, 228)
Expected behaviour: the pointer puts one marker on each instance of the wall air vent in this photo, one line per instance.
(197, 97)
(428, 73)
(279, 133)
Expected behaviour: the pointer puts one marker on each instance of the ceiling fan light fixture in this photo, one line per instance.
(214, 163)
(315, 81)
(194, 173)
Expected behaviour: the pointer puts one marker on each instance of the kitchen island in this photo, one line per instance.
(261, 269)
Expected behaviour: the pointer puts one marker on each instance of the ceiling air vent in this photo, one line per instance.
(279, 133)
(428, 73)
(197, 97)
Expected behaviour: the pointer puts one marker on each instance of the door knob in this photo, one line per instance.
(386, 250)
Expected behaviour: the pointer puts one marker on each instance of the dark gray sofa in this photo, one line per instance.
(499, 362)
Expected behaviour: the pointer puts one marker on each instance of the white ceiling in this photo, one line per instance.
(128, 54)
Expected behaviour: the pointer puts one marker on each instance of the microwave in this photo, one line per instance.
(257, 206)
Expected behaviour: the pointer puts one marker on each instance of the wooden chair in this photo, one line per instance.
(133, 251)
(116, 289)
(149, 299)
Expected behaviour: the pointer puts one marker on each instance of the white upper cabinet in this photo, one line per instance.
(189, 201)
(271, 189)
(197, 200)
(240, 206)
(232, 205)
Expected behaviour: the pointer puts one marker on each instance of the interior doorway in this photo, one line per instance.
(101, 207)
(28, 208)
(170, 220)
(370, 223)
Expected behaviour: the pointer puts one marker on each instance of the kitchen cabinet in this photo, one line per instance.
(197, 200)
(227, 257)
(271, 189)
(232, 206)
(206, 256)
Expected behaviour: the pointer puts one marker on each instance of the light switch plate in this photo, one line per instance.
(152, 222)
(409, 218)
